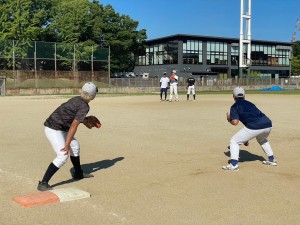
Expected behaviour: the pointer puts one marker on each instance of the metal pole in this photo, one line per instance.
(35, 72)
(34, 55)
(14, 62)
(74, 58)
(290, 61)
(55, 66)
(249, 38)
(241, 50)
(92, 58)
(109, 81)
(92, 62)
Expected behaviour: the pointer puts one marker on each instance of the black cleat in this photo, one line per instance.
(43, 186)
(82, 175)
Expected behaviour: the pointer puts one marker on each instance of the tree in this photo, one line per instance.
(295, 62)
(22, 21)
(72, 22)
(120, 33)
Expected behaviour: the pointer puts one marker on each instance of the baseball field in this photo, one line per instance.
(154, 163)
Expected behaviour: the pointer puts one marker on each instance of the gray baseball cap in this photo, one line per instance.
(90, 89)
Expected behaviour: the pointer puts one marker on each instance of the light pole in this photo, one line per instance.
(245, 37)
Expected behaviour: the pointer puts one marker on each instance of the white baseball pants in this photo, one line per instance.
(57, 139)
(245, 135)
(173, 89)
(191, 89)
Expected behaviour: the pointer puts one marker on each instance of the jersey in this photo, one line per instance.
(164, 82)
(191, 81)
(173, 80)
(249, 115)
(62, 118)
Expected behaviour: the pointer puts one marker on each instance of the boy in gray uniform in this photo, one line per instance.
(60, 129)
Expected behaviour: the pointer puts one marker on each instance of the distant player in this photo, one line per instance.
(164, 83)
(257, 125)
(173, 86)
(60, 128)
(191, 87)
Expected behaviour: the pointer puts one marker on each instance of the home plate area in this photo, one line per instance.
(58, 195)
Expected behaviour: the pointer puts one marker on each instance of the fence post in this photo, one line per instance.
(35, 72)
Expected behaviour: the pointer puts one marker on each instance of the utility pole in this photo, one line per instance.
(297, 27)
(245, 37)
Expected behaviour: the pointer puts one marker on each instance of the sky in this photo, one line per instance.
(271, 20)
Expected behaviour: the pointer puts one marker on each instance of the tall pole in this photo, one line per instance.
(92, 62)
(245, 37)
(14, 64)
(109, 81)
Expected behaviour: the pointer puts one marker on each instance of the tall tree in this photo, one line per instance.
(23, 20)
(296, 58)
(121, 34)
(80, 22)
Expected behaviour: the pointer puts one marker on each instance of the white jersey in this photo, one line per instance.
(174, 82)
(164, 82)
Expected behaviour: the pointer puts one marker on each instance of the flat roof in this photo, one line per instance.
(197, 37)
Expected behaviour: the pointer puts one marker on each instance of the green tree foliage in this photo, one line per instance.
(24, 21)
(120, 33)
(80, 22)
(69, 21)
(296, 58)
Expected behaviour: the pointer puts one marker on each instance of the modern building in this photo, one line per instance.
(212, 56)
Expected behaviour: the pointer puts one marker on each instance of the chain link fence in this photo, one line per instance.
(52, 56)
(68, 82)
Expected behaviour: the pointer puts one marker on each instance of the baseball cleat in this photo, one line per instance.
(270, 163)
(43, 186)
(231, 167)
(79, 176)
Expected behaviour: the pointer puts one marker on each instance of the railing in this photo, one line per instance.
(39, 81)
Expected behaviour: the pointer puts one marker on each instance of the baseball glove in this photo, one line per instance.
(91, 121)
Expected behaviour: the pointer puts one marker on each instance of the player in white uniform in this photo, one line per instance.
(190, 87)
(173, 86)
(164, 83)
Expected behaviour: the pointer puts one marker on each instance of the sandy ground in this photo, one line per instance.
(155, 163)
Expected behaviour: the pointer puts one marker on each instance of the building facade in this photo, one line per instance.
(212, 56)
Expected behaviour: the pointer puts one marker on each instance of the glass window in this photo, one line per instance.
(192, 54)
(217, 53)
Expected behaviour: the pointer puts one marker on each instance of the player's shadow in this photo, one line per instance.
(91, 168)
(246, 156)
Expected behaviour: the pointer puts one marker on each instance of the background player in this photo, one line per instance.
(257, 125)
(60, 128)
(173, 86)
(164, 83)
(190, 87)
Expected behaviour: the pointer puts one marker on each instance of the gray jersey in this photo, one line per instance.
(62, 118)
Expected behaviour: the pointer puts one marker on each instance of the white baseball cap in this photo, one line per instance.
(173, 71)
(90, 89)
(239, 92)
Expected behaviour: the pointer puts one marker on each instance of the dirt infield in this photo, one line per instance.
(154, 163)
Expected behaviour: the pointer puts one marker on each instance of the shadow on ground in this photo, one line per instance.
(246, 156)
(91, 168)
